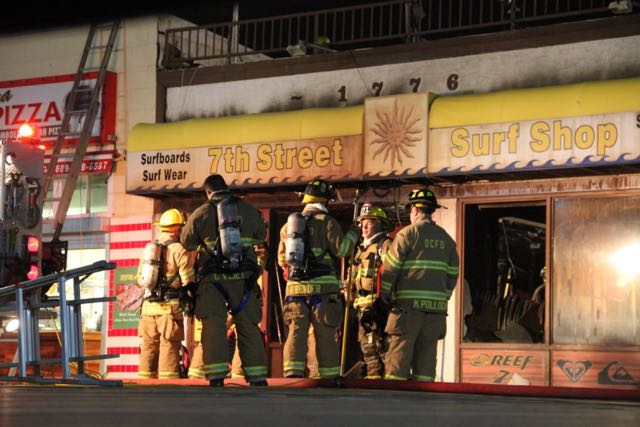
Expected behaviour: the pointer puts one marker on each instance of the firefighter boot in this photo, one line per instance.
(217, 382)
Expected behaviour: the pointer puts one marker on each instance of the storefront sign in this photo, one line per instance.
(41, 103)
(395, 141)
(512, 367)
(284, 148)
(126, 308)
(88, 167)
(595, 369)
(285, 162)
(597, 140)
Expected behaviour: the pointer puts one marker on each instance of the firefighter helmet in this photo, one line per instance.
(172, 218)
(423, 198)
(319, 191)
(215, 184)
(374, 212)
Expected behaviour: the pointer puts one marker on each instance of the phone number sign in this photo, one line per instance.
(88, 167)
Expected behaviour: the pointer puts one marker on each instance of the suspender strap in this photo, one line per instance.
(225, 295)
(311, 301)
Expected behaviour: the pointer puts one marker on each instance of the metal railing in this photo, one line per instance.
(390, 22)
(25, 300)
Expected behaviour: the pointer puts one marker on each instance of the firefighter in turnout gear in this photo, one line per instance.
(420, 273)
(372, 312)
(164, 268)
(309, 243)
(196, 364)
(225, 230)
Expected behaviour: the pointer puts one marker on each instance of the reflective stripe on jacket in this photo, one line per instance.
(421, 267)
(368, 261)
(325, 238)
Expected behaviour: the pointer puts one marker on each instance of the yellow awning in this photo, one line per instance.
(247, 129)
(580, 99)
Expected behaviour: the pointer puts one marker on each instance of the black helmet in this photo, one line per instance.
(423, 198)
(319, 190)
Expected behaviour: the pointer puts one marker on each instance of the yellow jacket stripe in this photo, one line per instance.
(329, 372)
(441, 296)
(168, 375)
(421, 267)
(348, 243)
(295, 366)
(255, 371)
(325, 240)
(216, 368)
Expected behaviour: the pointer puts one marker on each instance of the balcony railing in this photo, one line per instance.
(378, 24)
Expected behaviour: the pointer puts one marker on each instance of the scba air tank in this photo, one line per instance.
(229, 230)
(294, 245)
(150, 270)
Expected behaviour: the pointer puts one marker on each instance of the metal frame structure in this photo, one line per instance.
(371, 25)
(25, 300)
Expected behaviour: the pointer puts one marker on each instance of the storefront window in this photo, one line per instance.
(92, 287)
(596, 271)
(89, 196)
(504, 273)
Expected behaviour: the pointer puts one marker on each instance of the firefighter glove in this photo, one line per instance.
(187, 295)
(368, 320)
(381, 306)
(355, 231)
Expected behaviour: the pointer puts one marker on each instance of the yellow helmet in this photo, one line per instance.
(172, 218)
(370, 211)
(374, 212)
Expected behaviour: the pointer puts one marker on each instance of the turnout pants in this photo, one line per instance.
(160, 347)
(211, 309)
(413, 343)
(196, 366)
(372, 345)
(325, 316)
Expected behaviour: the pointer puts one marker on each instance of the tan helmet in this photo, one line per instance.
(172, 218)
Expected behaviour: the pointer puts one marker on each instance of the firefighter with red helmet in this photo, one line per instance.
(164, 268)
(372, 312)
(310, 241)
(420, 273)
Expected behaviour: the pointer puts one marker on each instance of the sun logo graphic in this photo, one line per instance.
(397, 133)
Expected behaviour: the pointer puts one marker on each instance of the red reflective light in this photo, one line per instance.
(33, 245)
(33, 272)
(26, 131)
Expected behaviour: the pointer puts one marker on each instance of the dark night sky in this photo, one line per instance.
(50, 14)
